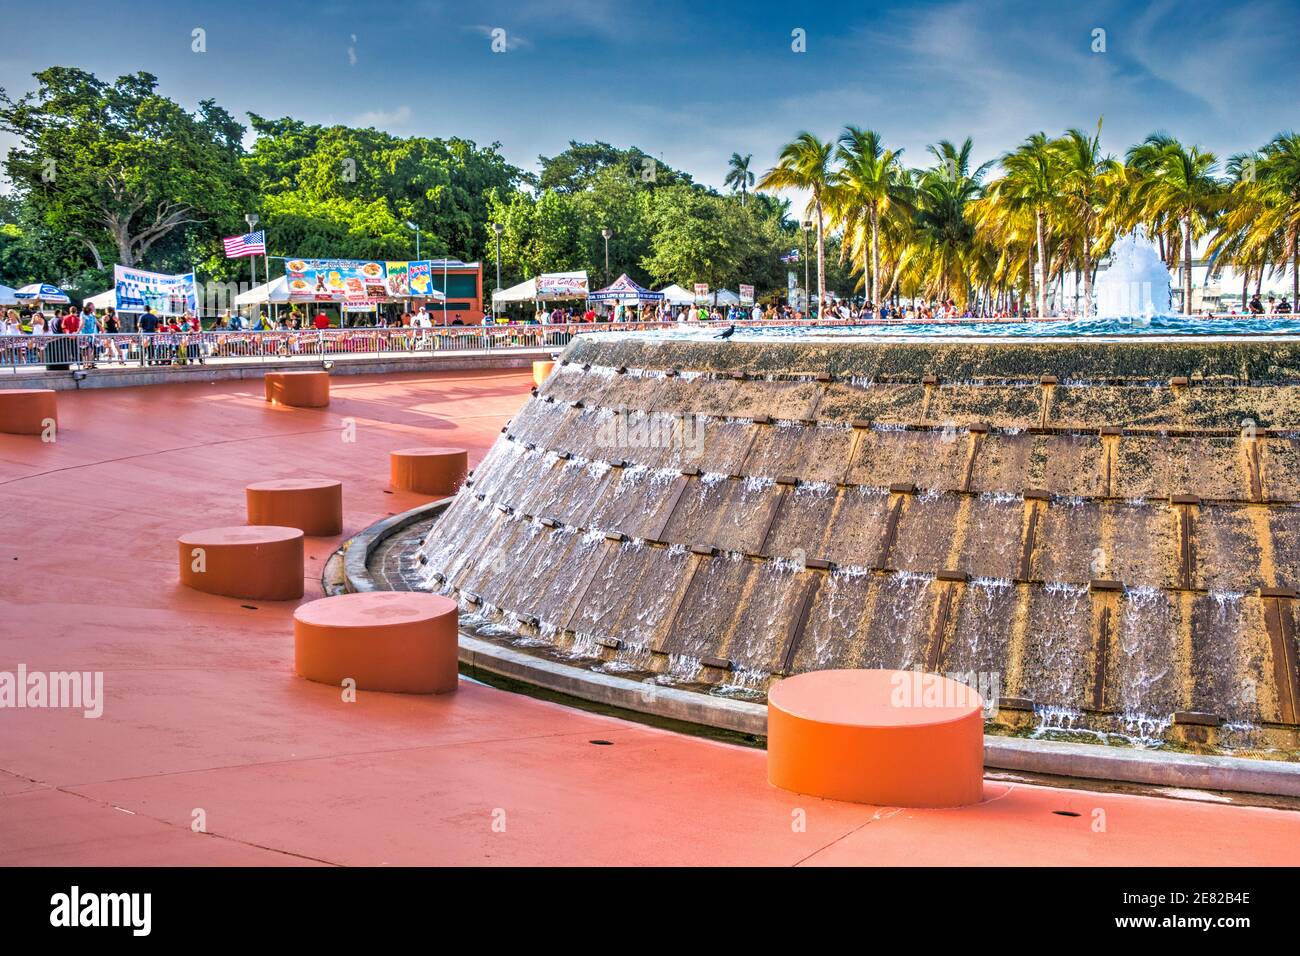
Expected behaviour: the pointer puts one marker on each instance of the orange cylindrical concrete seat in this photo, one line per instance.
(26, 411)
(429, 471)
(891, 738)
(540, 371)
(312, 505)
(299, 389)
(401, 641)
(263, 562)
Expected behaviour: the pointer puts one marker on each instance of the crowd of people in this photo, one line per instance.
(832, 310)
(167, 339)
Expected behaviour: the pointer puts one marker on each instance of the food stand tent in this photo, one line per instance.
(725, 297)
(105, 300)
(7, 296)
(624, 289)
(277, 290)
(676, 295)
(44, 292)
(549, 286)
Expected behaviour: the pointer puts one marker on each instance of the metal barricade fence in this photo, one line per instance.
(60, 351)
(186, 348)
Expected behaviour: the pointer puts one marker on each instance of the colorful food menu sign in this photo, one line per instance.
(316, 280)
(397, 278)
(419, 278)
(746, 294)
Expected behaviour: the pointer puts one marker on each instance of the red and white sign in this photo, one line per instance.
(557, 285)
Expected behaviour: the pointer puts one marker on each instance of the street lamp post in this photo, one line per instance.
(251, 219)
(414, 227)
(606, 232)
(498, 229)
(807, 292)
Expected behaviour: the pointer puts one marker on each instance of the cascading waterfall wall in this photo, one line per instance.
(1103, 536)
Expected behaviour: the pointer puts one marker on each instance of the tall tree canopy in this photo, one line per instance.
(119, 168)
(340, 191)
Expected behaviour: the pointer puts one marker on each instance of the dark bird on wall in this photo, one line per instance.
(730, 331)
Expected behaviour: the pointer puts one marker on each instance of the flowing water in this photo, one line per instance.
(717, 515)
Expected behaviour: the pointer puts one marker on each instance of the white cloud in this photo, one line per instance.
(384, 119)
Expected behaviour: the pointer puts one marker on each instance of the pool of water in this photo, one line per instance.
(1076, 328)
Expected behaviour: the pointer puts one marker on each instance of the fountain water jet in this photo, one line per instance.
(1136, 284)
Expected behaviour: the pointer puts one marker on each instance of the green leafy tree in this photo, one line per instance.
(575, 169)
(119, 168)
(440, 185)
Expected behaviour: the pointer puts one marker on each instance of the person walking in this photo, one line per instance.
(148, 325)
(89, 326)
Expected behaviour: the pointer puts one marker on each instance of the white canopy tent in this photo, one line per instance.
(104, 300)
(676, 295)
(7, 296)
(549, 286)
(277, 290)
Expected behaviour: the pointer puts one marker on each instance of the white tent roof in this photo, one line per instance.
(7, 296)
(726, 297)
(527, 291)
(277, 290)
(104, 300)
(524, 292)
(676, 295)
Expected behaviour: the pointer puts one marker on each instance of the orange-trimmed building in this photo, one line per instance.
(462, 283)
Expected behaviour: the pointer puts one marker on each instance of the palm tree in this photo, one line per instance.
(1181, 187)
(867, 185)
(1278, 176)
(940, 258)
(1083, 183)
(738, 174)
(1032, 180)
(1238, 239)
(805, 163)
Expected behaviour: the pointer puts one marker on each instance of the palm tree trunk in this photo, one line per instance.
(1295, 272)
(866, 267)
(821, 261)
(1042, 262)
(875, 250)
(1187, 265)
(1087, 269)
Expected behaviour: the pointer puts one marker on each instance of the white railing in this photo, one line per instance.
(184, 348)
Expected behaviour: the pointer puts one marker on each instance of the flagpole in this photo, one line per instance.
(266, 261)
(251, 219)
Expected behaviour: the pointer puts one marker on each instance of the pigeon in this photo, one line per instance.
(728, 333)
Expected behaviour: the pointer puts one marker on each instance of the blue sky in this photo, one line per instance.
(693, 82)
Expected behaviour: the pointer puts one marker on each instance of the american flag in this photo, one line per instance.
(253, 244)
